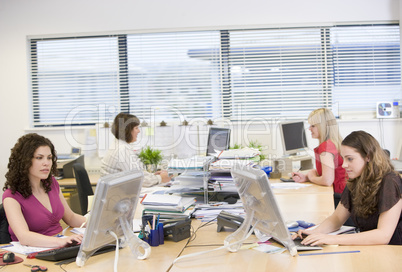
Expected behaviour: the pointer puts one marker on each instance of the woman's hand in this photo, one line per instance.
(71, 240)
(299, 177)
(318, 239)
(164, 175)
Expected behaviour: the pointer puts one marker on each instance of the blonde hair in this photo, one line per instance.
(328, 129)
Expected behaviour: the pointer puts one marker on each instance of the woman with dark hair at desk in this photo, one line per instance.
(329, 171)
(123, 157)
(372, 197)
(32, 199)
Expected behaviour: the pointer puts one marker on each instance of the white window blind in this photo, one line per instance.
(73, 78)
(175, 75)
(277, 73)
(367, 66)
(280, 73)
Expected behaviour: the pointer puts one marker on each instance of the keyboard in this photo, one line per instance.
(68, 252)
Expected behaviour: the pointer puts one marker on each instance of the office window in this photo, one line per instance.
(367, 66)
(72, 79)
(279, 73)
(166, 80)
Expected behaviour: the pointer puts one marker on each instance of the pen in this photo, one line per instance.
(143, 198)
(296, 171)
(327, 253)
(157, 221)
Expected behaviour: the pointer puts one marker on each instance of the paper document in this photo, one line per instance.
(242, 153)
(16, 247)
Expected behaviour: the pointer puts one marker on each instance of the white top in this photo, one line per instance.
(123, 157)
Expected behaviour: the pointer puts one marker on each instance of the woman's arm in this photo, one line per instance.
(330, 224)
(328, 170)
(18, 224)
(387, 223)
(71, 218)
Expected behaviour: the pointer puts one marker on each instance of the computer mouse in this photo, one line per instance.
(305, 224)
(8, 257)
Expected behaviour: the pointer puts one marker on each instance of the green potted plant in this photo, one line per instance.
(150, 158)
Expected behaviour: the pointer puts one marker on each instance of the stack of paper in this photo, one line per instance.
(193, 163)
(227, 164)
(243, 153)
(167, 206)
(208, 212)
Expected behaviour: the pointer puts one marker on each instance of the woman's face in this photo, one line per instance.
(41, 164)
(315, 134)
(353, 162)
(136, 130)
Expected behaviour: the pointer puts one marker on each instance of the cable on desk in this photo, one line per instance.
(116, 256)
(215, 249)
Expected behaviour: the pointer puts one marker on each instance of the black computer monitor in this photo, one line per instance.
(293, 137)
(116, 198)
(218, 140)
(261, 208)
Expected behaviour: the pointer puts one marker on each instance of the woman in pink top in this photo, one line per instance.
(32, 198)
(329, 171)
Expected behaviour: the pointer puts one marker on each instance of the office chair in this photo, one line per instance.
(5, 237)
(84, 186)
(337, 199)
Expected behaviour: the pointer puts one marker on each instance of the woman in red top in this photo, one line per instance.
(329, 171)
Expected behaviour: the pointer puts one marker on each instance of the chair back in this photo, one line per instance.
(5, 237)
(84, 186)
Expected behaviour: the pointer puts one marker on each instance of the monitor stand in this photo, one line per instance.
(234, 241)
(139, 248)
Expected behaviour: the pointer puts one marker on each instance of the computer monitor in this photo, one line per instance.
(116, 198)
(261, 208)
(218, 140)
(293, 137)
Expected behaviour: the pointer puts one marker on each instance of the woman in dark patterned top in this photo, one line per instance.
(372, 197)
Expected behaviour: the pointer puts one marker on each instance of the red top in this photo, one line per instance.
(340, 173)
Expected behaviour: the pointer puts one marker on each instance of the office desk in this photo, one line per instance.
(311, 189)
(72, 183)
(313, 207)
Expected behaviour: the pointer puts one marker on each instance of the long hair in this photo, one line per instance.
(364, 188)
(325, 121)
(122, 126)
(21, 160)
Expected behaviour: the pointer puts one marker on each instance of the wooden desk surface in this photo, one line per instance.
(310, 189)
(313, 207)
(71, 182)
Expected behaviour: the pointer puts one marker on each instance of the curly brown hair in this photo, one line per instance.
(21, 160)
(364, 188)
(122, 126)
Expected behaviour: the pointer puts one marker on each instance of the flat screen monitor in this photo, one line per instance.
(218, 140)
(261, 208)
(293, 137)
(115, 200)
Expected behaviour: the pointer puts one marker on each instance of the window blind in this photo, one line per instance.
(367, 66)
(277, 73)
(280, 73)
(175, 75)
(72, 79)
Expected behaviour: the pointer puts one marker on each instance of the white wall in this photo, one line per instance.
(22, 18)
